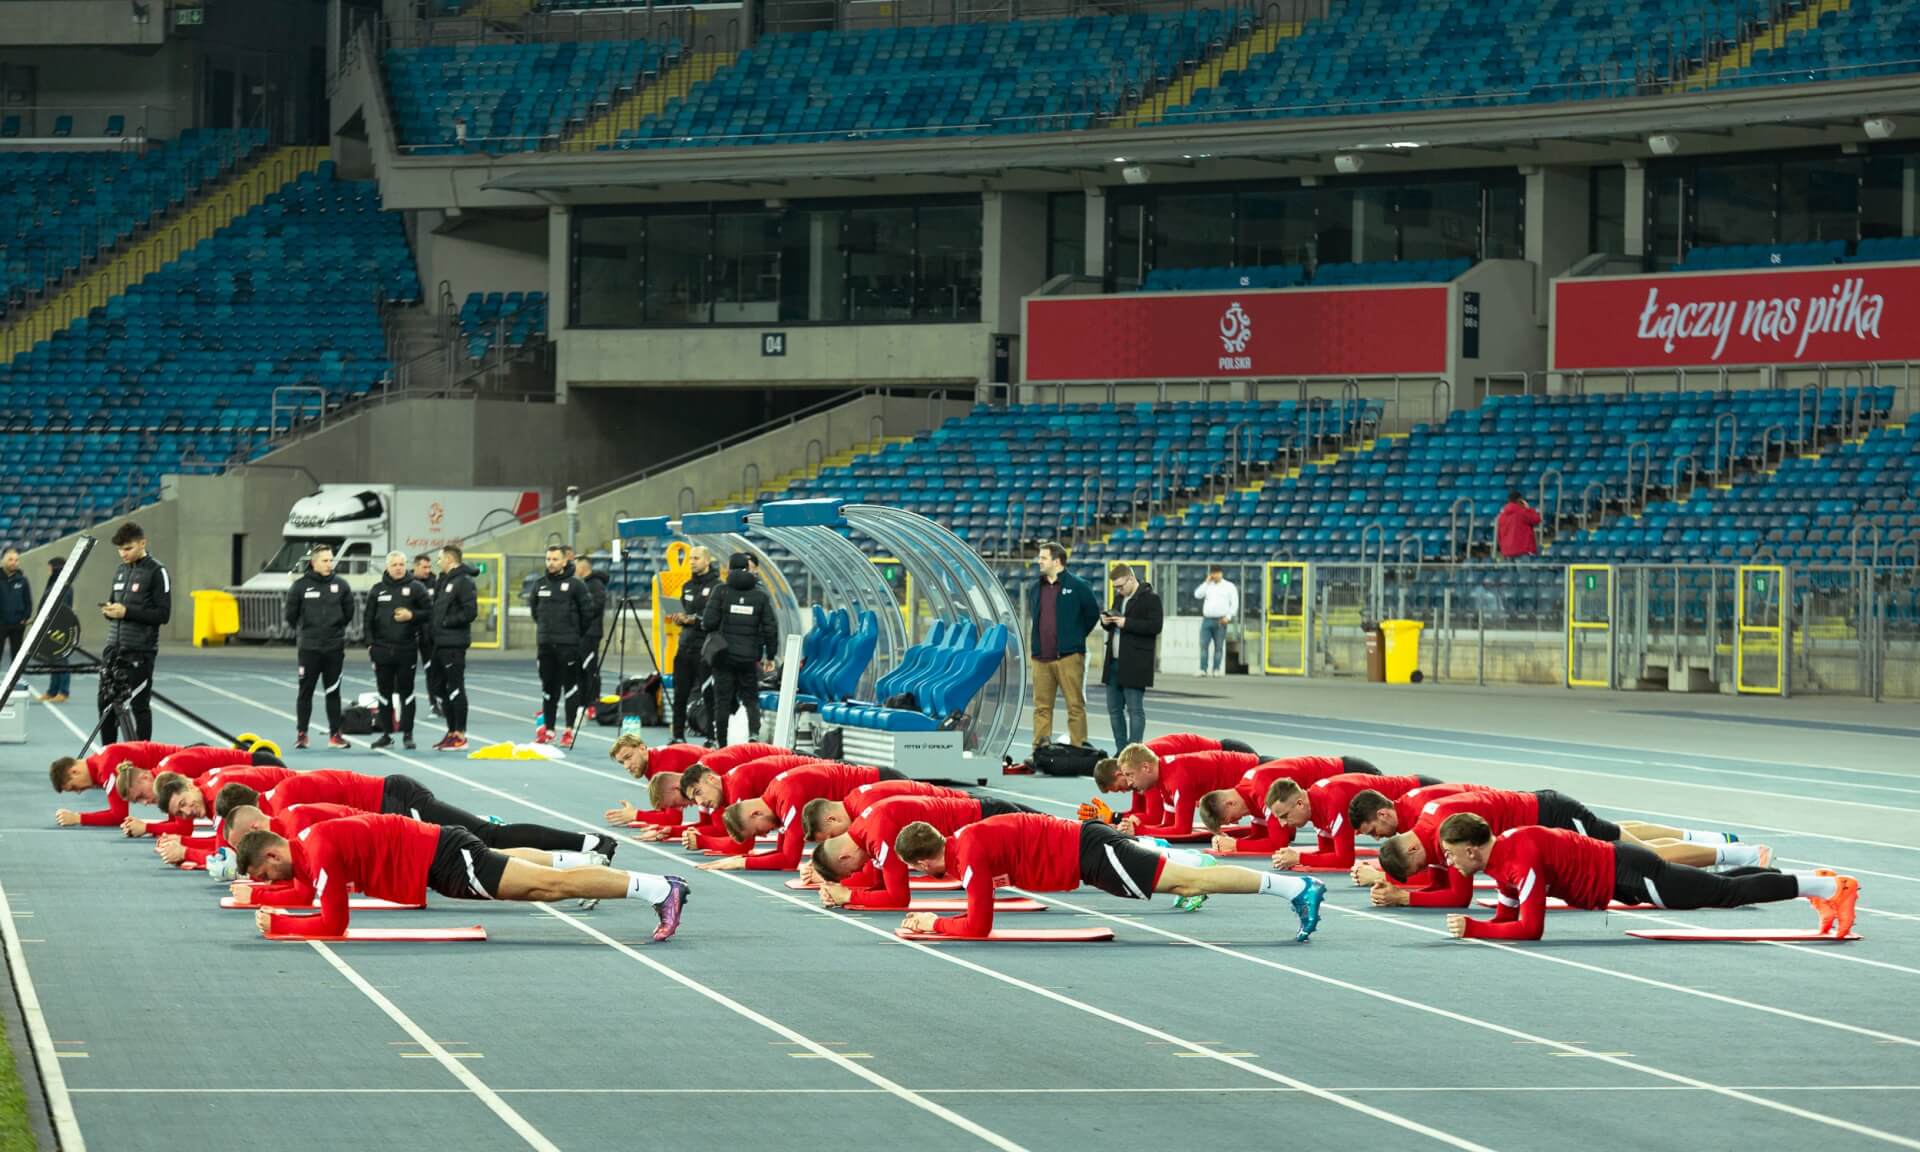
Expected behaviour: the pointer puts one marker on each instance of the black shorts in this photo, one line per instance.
(1353, 764)
(404, 796)
(990, 807)
(1232, 745)
(1562, 811)
(892, 774)
(1112, 862)
(464, 868)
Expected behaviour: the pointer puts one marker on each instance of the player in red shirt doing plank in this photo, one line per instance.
(715, 794)
(1181, 781)
(1047, 854)
(1115, 774)
(670, 761)
(185, 801)
(824, 816)
(1414, 856)
(1325, 806)
(399, 795)
(396, 858)
(858, 867)
(1223, 810)
(671, 813)
(778, 808)
(1532, 863)
(71, 774)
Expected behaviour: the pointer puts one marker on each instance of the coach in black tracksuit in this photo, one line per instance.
(455, 607)
(320, 607)
(139, 605)
(596, 583)
(689, 669)
(742, 613)
(398, 611)
(561, 605)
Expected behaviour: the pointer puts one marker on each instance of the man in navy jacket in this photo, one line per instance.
(1064, 611)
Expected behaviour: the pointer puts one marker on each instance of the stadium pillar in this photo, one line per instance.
(1636, 202)
(559, 284)
(1096, 254)
(1558, 204)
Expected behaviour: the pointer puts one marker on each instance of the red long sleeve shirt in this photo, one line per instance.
(386, 857)
(1532, 863)
(1148, 810)
(879, 826)
(198, 848)
(789, 793)
(193, 763)
(743, 782)
(866, 796)
(287, 824)
(675, 758)
(1514, 530)
(1329, 799)
(1187, 777)
(725, 760)
(353, 789)
(1445, 887)
(1268, 833)
(1022, 849)
(103, 766)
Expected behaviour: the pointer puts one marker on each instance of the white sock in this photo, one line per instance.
(1695, 836)
(566, 860)
(589, 843)
(645, 886)
(1736, 855)
(1819, 887)
(1282, 885)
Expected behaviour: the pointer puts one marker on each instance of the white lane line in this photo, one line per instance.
(813, 907)
(66, 1128)
(1501, 1029)
(459, 1071)
(986, 1135)
(814, 1049)
(1839, 954)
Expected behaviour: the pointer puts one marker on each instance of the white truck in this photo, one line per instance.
(362, 523)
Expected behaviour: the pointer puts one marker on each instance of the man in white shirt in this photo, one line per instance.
(1219, 605)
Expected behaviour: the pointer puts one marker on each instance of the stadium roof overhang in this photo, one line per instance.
(1584, 132)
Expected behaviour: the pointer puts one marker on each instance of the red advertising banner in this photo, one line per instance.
(1238, 335)
(1833, 314)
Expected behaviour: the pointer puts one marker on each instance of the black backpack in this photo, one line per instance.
(639, 698)
(357, 720)
(1066, 759)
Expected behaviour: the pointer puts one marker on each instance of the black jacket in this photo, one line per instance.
(147, 591)
(743, 613)
(319, 609)
(16, 600)
(455, 608)
(694, 595)
(391, 641)
(1133, 666)
(597, 622)
(561, 607)
(426, 625)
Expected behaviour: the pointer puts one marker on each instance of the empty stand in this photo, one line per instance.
(510, 318)
(185, 365)
(510, 97)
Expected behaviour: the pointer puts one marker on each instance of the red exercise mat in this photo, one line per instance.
(1016, 935)
(1741, 935)
(397, 935)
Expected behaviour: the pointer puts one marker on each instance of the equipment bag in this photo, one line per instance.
(357, 720)
(1066, 759)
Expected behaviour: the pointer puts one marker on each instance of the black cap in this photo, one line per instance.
(737, 562)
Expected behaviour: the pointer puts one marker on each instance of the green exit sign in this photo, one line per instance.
(480, 566)
(1286, 576)
(189, 17)
(1593, 581)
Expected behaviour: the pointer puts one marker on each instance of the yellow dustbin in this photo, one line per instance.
(216, 616)
(1403, 650)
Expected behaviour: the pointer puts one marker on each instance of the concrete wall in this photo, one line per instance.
(775, 453)
(480, 252)
(152, 87)
(1510, 338)
(1559, 212)
(95, 22)
(1014, 264)
(837, 356)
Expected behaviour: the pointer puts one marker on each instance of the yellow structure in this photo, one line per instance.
(216, 616)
